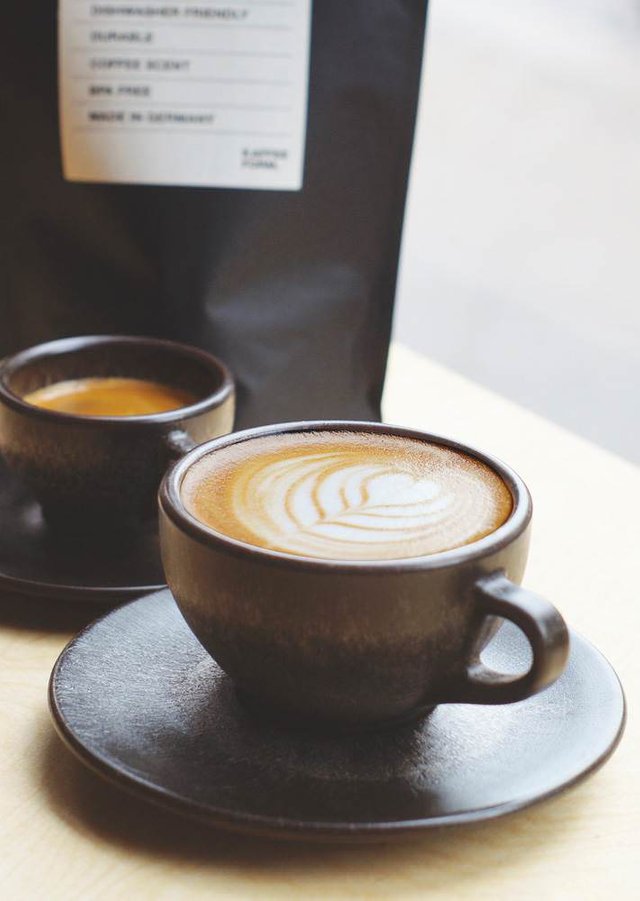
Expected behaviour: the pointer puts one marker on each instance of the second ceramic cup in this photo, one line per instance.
(93, 470)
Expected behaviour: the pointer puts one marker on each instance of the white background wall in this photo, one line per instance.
(521, 254)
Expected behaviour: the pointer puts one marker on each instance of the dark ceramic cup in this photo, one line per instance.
(93, 471)
(359, 644)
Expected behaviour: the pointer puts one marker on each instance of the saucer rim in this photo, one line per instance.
(98, 595)
(55, 591)
(285, 828)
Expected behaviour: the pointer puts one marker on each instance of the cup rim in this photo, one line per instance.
(12, 364)
(170, 504)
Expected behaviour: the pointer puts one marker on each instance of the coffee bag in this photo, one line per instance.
(292, 288)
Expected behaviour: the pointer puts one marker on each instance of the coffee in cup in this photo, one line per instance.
(110, 396)
(346, 495)
(349, 574)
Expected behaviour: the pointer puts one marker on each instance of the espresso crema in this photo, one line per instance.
(112, 396)
(346, 495)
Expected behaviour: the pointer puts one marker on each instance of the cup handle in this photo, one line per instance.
(545, 630)
(178, 443)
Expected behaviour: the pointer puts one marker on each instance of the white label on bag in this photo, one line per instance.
(202, 93)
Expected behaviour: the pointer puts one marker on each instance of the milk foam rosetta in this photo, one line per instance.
(346, 495)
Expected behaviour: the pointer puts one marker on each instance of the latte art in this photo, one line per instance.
(346, 495)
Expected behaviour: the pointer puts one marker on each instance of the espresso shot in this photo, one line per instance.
(110, 396)
(90, 424)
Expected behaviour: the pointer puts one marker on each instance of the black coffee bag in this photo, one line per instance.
(293, 289)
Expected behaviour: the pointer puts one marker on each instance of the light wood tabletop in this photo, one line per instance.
(66, 834)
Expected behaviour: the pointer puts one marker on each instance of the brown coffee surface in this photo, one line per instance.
(109, 397)
(346, 495)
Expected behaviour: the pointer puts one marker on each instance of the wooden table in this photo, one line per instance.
(66, 834)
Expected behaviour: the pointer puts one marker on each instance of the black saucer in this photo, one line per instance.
(137, 698)
(37, 562)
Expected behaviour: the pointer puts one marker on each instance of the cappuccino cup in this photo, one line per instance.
(90, 424)
(349, 574)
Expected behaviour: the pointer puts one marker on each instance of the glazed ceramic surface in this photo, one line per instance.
(171, 729)
(82, 467)
(355, 643)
